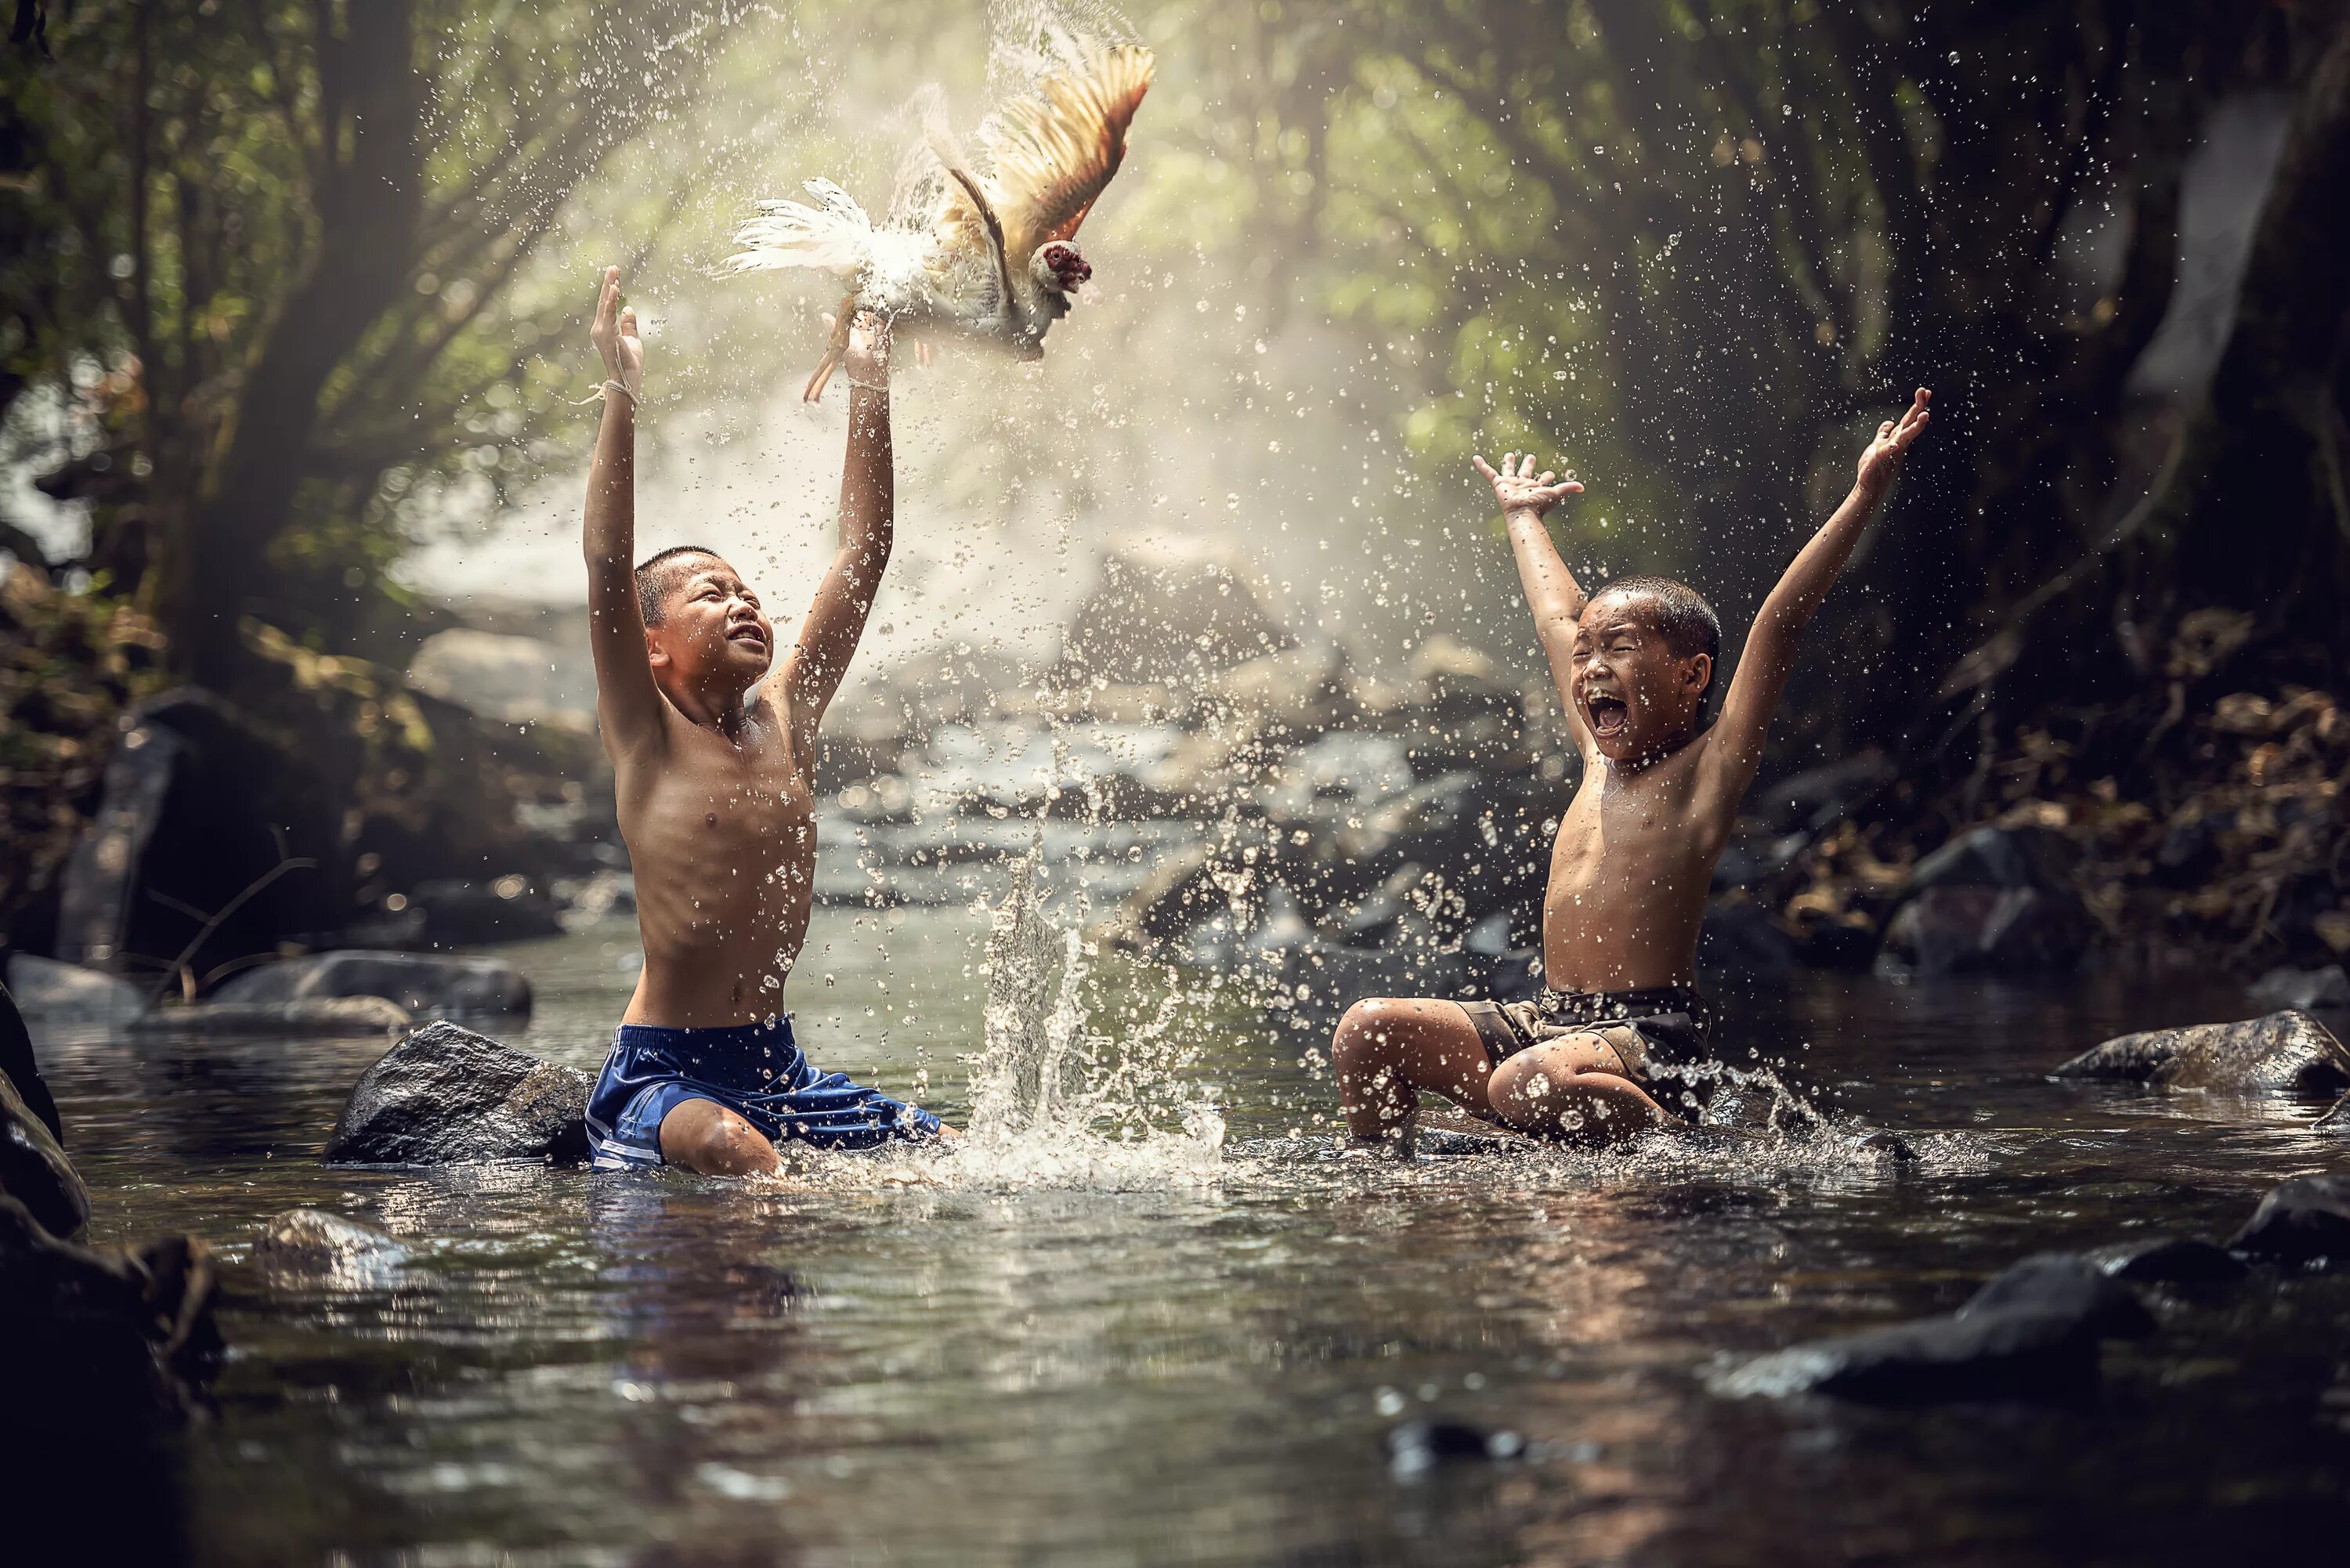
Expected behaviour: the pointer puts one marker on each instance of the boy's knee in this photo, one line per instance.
(716, 1142)
(1357, 1031)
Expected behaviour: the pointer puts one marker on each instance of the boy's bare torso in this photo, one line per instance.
(1628, 874)
(721, 832)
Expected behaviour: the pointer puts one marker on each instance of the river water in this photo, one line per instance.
(1063, 1348)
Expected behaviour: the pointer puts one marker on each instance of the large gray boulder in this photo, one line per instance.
(447, 1095)
(34, 1170)
(2287, 1051)
(50, 992)
(428, 985)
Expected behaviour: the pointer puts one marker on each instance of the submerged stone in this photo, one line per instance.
(2304, 1221)
(312, 1243)
(2172, 1260)
(424, 985)
(34, 1170)
(342, 1016)
(2288, 1051)
(2067, 1285)
(446, 1095)
(2002, 1353)
(91, 1337)
(2030, 1332)
(1415, 1448)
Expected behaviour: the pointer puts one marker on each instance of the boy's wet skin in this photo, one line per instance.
(1635, 850)
(725, 828)
(713, 766)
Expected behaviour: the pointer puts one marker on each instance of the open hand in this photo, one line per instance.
(1519, 489)
(615, 336)
(1882, 461)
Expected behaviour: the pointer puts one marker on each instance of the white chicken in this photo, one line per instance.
(977, 247)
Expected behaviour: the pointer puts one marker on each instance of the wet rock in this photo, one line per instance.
(425, 985)
(312, 1244)
(1414, 1448)
(2284, 987)
(339, 1017)
(1957, 928)
(2067, 1285)
(2288, 1052)
(94, 1338)
(1889, 1143)
(2008, 1353)
(50, 991)
(20, 1068)
(446, 1095)
(2306, 1221)
(34, 1170)
(2172, 1260)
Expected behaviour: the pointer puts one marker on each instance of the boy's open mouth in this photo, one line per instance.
(748, 634)
(1608, 714)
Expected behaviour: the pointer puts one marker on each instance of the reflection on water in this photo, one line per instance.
(1188, 1357)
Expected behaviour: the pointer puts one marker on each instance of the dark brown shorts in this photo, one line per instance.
(1665, 1026)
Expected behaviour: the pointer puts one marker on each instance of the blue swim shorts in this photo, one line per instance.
(756, 1070)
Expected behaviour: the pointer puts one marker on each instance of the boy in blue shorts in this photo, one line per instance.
(714, 767)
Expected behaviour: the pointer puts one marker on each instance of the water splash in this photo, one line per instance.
(1054, 1104)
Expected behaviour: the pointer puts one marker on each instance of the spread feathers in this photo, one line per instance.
(979, 245)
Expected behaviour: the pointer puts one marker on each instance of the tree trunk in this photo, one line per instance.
(369, 206)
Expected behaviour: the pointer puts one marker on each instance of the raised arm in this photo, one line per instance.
(1552, 592)
(1754, 691)
(836, 621)
(627, 703)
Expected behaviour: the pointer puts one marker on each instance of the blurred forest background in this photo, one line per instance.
(291, 303)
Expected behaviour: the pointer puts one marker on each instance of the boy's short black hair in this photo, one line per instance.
(656, 575)
(1684, 619)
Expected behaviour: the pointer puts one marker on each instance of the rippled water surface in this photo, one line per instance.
(1065, 1353)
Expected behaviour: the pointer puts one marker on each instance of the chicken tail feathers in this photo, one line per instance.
(834, 236)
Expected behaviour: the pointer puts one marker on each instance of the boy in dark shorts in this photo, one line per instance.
(714, 767)
(1616, 1045)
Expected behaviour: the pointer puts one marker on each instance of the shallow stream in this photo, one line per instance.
(1062, 1348)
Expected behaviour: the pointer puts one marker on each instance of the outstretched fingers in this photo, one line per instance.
(1914, 421)
(1482, 466)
